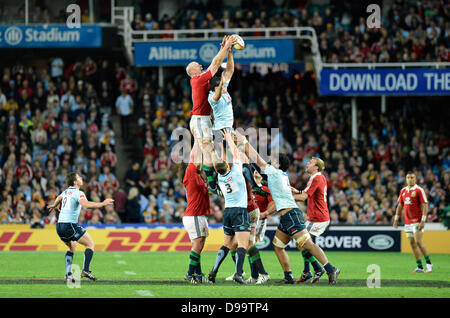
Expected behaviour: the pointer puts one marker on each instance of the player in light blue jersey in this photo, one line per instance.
(236, 220)
(220, 99)
(68, 229)
(291, 219)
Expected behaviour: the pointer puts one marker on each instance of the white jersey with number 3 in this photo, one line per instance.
(233, 187)
(70, 205)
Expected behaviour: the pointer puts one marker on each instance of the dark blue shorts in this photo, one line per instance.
(292, 222)
(235, 220)
(69, 231)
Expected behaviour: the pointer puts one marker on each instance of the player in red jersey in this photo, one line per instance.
(415, 204)
(200, 123)
(318, 217)
(194, 219)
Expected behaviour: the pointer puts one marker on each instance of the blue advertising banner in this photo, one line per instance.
(203, 52)
(392, 81)
(49, 36)
(336, 240)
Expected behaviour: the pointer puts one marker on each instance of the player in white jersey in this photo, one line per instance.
(220, 99)
(68, 229)
(236, 221)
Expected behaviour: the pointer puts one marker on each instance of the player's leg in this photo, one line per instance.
(280, 242)
(304, 242)
(418, 237)
(242, 245)
(87, 241)
(221, 254)
(416, 252)
(233, 257)
(68, 259)
(197, 229)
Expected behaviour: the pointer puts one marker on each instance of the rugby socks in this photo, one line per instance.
(255, 258)
(308, 258)
(419, 263)
(233, 256)
(240, 252)
(427, 259)
(194, 263)
(288, 276)
(221, 254)
(329, 268)
(68, 259)
(254, 270)
(210, 176)
(88, 253)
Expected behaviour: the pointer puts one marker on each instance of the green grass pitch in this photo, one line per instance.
(160, 275)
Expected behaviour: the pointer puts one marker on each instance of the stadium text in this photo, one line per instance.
(339, 241)
(385, 82)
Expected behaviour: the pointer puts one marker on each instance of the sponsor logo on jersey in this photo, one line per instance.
(413, 194)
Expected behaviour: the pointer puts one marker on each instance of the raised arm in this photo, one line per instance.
(230, 66)
(230, 143)
(218, 92)
(251, 153)
(218, 59)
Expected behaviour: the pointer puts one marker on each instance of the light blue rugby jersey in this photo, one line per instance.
(70, 207)
(280, 188)
(222, 110)
(233, 187)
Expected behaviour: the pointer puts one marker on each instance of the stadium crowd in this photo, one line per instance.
(52, 121)
(411, 31)
(59, 119)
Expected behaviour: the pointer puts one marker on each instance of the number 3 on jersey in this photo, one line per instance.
(230, 187)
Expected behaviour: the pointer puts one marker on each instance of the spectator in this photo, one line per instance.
(133, 206)
(124, 108)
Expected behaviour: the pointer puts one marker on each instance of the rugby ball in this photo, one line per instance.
(240, 44)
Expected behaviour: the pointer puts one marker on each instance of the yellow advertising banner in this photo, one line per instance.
(22, 238)
(437, 242)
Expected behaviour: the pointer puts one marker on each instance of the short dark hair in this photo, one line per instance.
(214, 82)
(221, 167)
(284, 162)
(411, 172)
(71, 178)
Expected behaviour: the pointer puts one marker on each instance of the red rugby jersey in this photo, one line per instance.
(200, 90)
(263, 202)
(412, 200)
(196, 193)
(251, 204)
(317, 208)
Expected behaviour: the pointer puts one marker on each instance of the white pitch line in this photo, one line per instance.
(121, 262)
(145, 293)
(129, 273)
(117, 255)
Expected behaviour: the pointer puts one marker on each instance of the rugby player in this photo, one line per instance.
(318, 217)
(236, 221)
(200, 123)
(291, 220)
(195, 216)
(413, 201)
(68, 229)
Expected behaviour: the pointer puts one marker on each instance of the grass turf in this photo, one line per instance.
(160, 275)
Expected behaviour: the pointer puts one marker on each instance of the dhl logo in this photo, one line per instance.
(154, 241)
(16, 241)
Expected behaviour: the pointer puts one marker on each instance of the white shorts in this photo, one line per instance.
(261, 230)
(410, 229)
(201, 126)
(254, 217)
(317, 228)
(196, 226)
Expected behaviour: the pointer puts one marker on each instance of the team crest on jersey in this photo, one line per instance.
(413, 194)
(70, 193)
(229, 179)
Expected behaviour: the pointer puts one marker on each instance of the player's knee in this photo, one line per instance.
(304, 241)
(278, 244)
